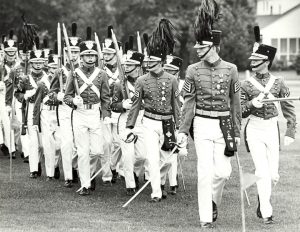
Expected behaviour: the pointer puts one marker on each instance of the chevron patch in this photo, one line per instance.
(137, 94)
(237, 86)
(187, 86)
(177, 93)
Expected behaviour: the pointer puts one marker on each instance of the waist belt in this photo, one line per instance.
(47, 107)
(91, 106)
(157, 116)
(211, 114)
(253, 117)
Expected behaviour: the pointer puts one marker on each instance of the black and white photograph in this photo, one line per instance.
(149, 115)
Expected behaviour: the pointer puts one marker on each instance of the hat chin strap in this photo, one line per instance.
(106, 61)
(131, 70)
(256, 66)
(151, 67)
(201, 57)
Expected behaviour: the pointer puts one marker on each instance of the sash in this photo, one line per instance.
(88, 82)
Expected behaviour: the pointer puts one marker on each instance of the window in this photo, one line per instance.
(274, 43)
(293, 46)
(271, 10)
(283, 45)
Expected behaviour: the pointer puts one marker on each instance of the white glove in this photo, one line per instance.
(127, 104)
(60, 96)
(257, 103)
(78, 101)
(29, 93)
(182, 139)
(106, 121)
(8, 109)
(288, 140)
(2, 85)
(182, 151)
(35, 127)
(237, 141)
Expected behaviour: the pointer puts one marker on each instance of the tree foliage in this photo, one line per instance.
(130, 16)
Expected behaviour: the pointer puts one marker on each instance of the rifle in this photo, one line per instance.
(59, 56)
(139, 43)
(281, 99)
(77, 92)
(100, 55)
(122, 77)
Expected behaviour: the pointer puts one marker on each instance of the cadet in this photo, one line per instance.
(44, 116)
(112, 146)
(133, 151)
(92, 97)
(261, 130)
(27, 91)
(212, 87)
(159, 91)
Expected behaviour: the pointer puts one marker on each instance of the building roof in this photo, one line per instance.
(265, 20)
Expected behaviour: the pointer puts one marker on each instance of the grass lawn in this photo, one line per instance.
(37, 205)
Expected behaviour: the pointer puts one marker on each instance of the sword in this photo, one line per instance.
(281, 99)
(146, 184)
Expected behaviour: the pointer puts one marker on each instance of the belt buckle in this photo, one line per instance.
(213, 113)
(89, 106)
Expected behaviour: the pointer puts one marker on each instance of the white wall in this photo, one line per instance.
(278, 6)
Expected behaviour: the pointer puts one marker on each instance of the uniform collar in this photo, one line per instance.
(111, 67)
(10, 64)
(37, 75)
(159, 74)
(214, 64)
(262, 75)
(88, 69)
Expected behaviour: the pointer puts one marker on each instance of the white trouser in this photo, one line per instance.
(154, 139)
(213, 166)
(263, 141)
(67, 142)
(115, 155)
(49, 138)
(133, 154)
(172, 174)
(18, 123)
(34, 141)
(88, 139)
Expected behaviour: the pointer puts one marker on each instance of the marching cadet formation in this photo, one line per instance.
(131, 115)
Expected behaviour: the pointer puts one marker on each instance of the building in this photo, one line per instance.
(279, 22)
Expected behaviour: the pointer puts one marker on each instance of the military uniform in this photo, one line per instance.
(112, 147)
(211, 93)
(28, 86)
(133, 153)
(94, 90)
(261, 132)
(44, 116)
(161, 101)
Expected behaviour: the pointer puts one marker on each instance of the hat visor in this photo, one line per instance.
(131, 62)
(171, 67)
(256, 56)
(73, 48)
(89, 52)
(154, 59)
(37, 60)
(109, 50)
(52, 65)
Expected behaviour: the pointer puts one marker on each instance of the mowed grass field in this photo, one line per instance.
(37, 205)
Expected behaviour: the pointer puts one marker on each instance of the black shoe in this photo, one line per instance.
(56, 173)
(33, 175)
(207, 225)
(39, 172)
(258, 212)
(93, 184)
(84, 192)
(68, 184)
(106, 183)
(269, 220)
(22, 155)
(173, 190)
(145, 179)
(13, 155)
(49, 178)
(130, 191)
(26, 160)
(75, 175)
(155, 200)
(136, 180)
(4, 149)
(215, 211)
(164, 193)
(114, 176)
